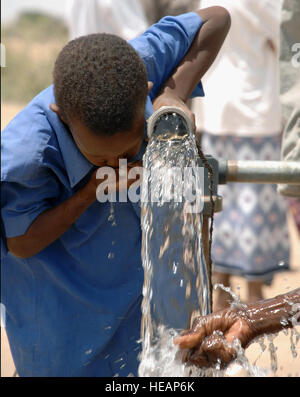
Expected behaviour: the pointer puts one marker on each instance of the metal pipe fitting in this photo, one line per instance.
(169, 122)
(263, 172)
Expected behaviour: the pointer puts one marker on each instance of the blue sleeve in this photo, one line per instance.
(22, 202)
(163, 46)
(28, 186)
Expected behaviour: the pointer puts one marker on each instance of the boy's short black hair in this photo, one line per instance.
(101, 80)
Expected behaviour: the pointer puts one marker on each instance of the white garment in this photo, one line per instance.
(242, 86)
(124, 18)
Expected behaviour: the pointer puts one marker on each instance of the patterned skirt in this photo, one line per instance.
(294, 204)
(251, 236)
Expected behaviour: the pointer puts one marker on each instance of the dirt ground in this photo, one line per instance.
(286, 363)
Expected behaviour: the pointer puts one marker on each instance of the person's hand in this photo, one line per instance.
(169, 98)
(210, 340)
(119, 183)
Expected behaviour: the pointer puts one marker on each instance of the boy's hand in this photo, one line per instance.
(122, 181)
(169, 98)
(210, 338)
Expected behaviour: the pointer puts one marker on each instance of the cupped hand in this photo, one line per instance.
(210, 340)
(120, 182)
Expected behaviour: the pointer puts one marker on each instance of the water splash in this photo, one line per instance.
(236, 301)
(175, 279)
(293, 343)
(111, 218)
(272, 350)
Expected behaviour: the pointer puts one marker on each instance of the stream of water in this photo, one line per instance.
(176, 285)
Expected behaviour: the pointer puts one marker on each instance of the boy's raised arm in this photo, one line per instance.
(202, 53)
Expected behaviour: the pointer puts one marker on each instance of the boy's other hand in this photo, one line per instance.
(210, 339)
(122, 181)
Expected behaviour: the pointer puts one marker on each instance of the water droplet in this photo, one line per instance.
(273, 356)
(284, 322)
(174, 268)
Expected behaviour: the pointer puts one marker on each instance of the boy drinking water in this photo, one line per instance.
(72, 309)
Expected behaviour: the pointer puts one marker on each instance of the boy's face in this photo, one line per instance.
(103, 150)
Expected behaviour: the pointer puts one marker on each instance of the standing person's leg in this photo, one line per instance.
(222, 298)
(255, 291)
(294, 204)
(157, 9)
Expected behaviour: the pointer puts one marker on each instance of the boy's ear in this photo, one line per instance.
(56, 110)
(150, 86)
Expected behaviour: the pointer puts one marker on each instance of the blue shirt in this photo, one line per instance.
(73, 309)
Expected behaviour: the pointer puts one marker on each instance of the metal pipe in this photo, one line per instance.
(263, 172)
(169, 123)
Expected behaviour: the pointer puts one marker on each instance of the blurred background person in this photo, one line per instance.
(240, 119)
(290, 96)
(157, 9)
(125, 18)
(266, 315)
